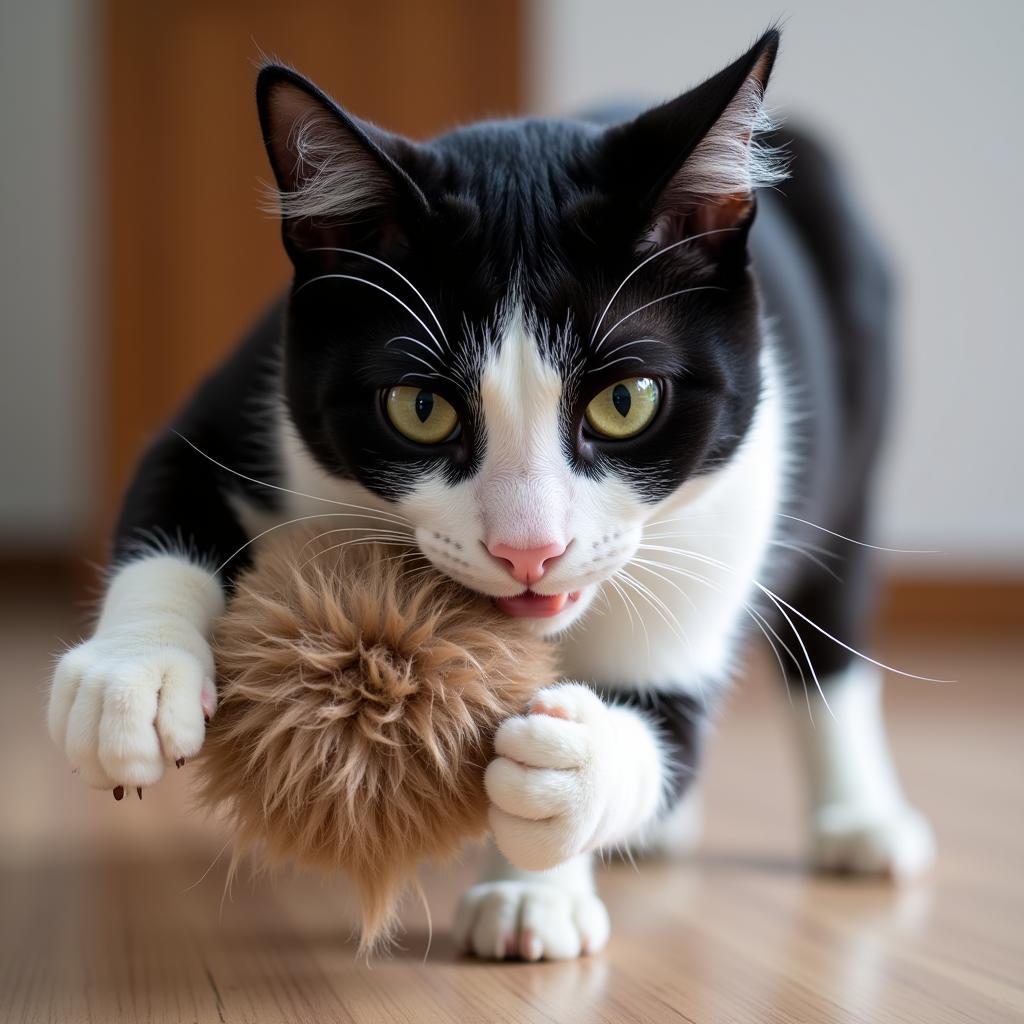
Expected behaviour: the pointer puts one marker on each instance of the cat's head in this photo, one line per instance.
(526, 335)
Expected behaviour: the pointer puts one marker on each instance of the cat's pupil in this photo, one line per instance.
(424, 406)
(621, 399)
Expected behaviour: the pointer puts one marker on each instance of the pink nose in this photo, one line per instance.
(527, 565)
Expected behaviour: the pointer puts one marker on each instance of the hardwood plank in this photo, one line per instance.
(108, 911)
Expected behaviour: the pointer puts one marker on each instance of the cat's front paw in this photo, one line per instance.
(123, 705)
(550, 785)
(530, 921)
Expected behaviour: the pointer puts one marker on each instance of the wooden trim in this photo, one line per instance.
(953, 603)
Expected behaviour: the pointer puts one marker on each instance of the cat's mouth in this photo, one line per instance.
(529, 605)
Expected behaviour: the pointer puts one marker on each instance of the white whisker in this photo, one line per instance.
(643, 263)
(797, 549)
(415, 341)
(779, 603)
(369, 539)
(419, 294)
(846, 647)
(287, 490)
(300, 519)
(657, 604)
(621, 359)
(404, 536)
(803, 648)
(628, 602)
(654, 302)
(372, 284)
(861, 543)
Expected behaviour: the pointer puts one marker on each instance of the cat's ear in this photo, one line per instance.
(691, 166)
(339, 180)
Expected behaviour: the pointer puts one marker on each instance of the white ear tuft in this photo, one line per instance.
(333, 175)
(732, 159)
(323, 162)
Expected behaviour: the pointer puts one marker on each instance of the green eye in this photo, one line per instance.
(421, 416)
(624, 409)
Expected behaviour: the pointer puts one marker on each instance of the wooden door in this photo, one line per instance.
(191, 260)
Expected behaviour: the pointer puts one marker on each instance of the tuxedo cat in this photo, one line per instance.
(561, 360)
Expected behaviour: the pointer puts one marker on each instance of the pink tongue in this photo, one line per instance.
(529, 605)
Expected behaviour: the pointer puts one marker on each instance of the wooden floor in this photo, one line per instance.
(112, 912)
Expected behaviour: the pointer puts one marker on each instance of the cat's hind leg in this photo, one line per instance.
(859, 819)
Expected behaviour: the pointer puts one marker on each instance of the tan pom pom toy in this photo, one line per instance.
(358, 699)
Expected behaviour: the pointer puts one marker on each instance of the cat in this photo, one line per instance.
(562, 359)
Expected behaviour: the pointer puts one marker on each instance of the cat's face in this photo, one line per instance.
(527, 336)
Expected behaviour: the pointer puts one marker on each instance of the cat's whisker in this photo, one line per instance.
(396, 272)
(794, 546)
(648, 566)
(758, 619)
(371, 284)
(846, 647)
(657, 604)
(605, 365)
(654, 302)
(292, 522)
(861, 543)
(433, 371)
(630, 344)
(643, 263)
(666, 616)
(806, 653)
(810, 556)
(630, 607)
(395, 516)
(781, 604)
(416, 341)
(402, 535)
(370, 539)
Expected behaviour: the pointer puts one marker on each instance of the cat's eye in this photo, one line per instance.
(624, 409)
(422, 416)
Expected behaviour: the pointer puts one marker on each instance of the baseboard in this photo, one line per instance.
(953, 603)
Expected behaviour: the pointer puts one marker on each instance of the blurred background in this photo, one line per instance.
(134, 252)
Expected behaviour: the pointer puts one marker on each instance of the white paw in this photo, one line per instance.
(899, 844)
(549, 786)
(122, 705)
(531, 921)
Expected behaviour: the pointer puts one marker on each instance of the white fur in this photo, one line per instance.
(572, 775)
(134, 695)
(551, 915)
(860, 820)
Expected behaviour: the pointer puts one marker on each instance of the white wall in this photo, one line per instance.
(924, 101)
(46, 271)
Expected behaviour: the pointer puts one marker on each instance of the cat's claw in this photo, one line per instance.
(530, 921)
(120, 710)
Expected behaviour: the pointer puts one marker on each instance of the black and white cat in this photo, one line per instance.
(560, 358)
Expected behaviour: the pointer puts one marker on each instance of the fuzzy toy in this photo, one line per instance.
(358, 698)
